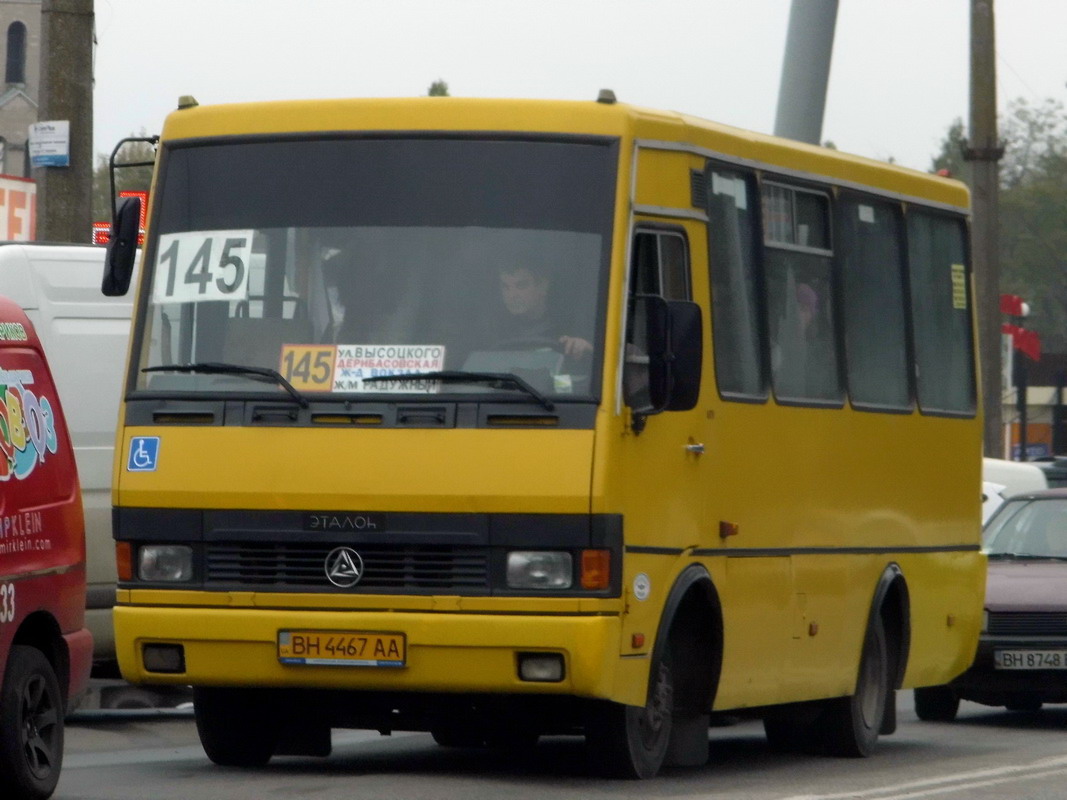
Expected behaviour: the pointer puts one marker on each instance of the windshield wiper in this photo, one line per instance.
(217, 368)
(452, 376)
(1021, 556)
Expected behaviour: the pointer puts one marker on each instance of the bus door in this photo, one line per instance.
(661, 468)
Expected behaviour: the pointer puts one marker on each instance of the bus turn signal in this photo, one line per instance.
(596, 569)
(124, 560)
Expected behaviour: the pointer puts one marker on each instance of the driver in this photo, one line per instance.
(525, 295)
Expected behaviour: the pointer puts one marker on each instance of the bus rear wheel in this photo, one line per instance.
(851, 724)
(31, 726)
(237, 727)
(631, 741)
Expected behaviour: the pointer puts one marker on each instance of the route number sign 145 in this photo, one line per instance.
(194, 266)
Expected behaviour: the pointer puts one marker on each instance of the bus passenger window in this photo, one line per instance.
(870, 256)
(941, 315)
(732, 259)
(799, 285)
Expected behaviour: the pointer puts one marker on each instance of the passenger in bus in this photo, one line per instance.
(807, 307)
(529, 318)
(802, 353)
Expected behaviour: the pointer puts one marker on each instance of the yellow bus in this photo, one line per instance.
(499, 419)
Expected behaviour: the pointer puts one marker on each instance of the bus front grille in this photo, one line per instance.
(273, 566)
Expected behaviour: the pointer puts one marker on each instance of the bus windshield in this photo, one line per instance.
(332, 261)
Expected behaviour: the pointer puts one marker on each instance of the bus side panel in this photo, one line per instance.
(946, 592)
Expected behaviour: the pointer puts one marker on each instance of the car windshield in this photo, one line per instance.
(331, 261)
(1028, 528)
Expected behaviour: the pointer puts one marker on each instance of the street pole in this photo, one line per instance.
(64, 194)
(984, 152)
(1022, 386)
(809, 44)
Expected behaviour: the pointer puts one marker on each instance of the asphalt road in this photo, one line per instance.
(986, 754)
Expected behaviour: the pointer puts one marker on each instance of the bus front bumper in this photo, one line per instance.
(445, 652)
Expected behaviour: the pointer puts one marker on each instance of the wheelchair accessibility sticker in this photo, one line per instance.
(144, 453)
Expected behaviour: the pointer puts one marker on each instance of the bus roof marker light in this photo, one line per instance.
(607, 97)
(187, 101)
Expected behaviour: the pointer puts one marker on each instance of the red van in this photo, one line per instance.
(45, 649)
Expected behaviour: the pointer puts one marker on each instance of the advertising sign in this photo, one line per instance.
(18, 209)
(50, 144)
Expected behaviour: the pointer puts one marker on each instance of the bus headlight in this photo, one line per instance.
(169, 563)
(540, 569)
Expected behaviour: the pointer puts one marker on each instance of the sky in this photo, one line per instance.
(898, 77)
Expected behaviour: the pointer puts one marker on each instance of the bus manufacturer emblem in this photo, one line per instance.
(344, 567)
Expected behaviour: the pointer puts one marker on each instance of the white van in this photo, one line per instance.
(85, 337)
(1002, 479)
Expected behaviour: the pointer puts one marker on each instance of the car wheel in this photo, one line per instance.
(31, 726)
(936, 703)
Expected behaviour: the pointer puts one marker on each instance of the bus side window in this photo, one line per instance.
(941, 312)
(869, 247)
(733, 259)
(800, 295)
(659, 266)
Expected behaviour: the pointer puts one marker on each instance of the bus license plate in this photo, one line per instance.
(342, 648)
(1030, 659)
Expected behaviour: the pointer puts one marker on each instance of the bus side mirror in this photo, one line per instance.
(122, 248)
(663, 358)
(686, 353)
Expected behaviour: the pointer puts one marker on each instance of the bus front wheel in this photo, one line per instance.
(237, 727)
(631, 741)
(851, 724)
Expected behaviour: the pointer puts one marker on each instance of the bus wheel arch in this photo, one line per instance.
(691, 625)
(852, 724)
(691, 628)
(892, 601)
(672, 727)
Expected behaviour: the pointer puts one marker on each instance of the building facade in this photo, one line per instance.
(20, 38)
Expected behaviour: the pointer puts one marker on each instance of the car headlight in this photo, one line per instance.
(170, 563)
(540, 569)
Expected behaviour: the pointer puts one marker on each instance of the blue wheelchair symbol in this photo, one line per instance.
(144, 453)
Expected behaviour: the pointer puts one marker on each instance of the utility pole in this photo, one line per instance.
(984, 152)
(809, 44)
(64, 194)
